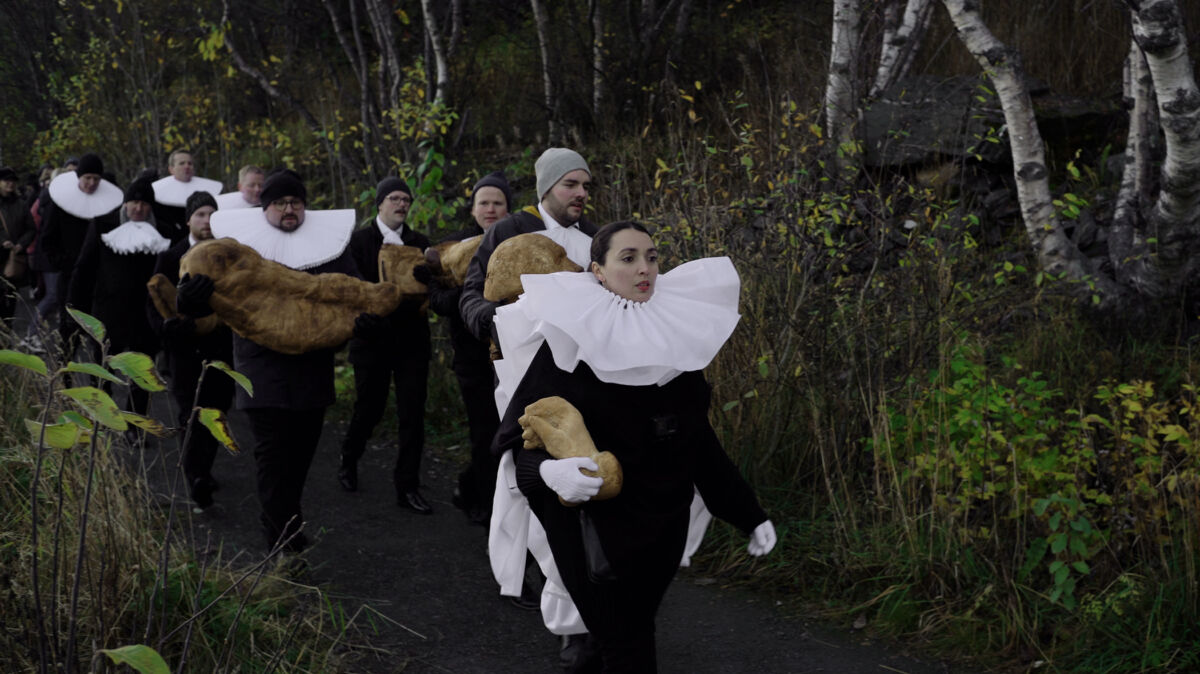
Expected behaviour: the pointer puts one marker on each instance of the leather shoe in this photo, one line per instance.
(347, 476)
(202, 490)
(579, 654)
(415, 502)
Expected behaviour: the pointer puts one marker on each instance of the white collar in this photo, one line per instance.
(577, 244)
(191, 240)
(172, 191)
(65, 192)
(681, 328)
(232, 200)
(390, 236)
(549, 220)
(321, 238)
(135, 237)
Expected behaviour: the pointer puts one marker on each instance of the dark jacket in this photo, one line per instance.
(170, 221)
(187, 351)
(661, 436)
(408, 326)
(18, 224)
(63, 235)
(476, 311)
(112, 287)
(471, 357)
(286, 381)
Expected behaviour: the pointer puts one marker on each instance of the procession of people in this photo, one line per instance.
(592, 460)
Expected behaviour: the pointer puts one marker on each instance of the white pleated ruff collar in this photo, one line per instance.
(135, 237)
(232, 200)
(174, 192)
(683, 325)
(65, 192)
(321, 238)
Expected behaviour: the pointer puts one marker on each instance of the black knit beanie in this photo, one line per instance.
(283, 183)
(140, 189)
(195, 200)
(495, 179)
(89, 163)
(389, 185)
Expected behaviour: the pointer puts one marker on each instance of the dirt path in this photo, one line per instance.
(429, 575)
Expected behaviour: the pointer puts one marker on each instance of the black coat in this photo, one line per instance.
(476, 311)
(661, 436)
(170, 221)
(62, 236)
(289, 381)
(408, 326)
(112, 287)
(186, 352)
(471, 354)
(18, 223)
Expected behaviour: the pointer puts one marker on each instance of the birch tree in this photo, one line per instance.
(542, 23)
(441, 65)
(901, 38)
(841, 103)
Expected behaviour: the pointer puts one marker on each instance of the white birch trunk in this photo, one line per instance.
(543, 32)
(840, 102)
(901, 44)
(1158, 30)
(1056, 253)
(441, 69)
(1127, 249)
(597, 59)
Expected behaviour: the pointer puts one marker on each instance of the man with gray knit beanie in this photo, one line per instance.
(563, 181)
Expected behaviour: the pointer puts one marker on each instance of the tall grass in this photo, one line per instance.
(91, 560)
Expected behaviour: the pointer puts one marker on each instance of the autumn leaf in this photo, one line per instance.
(25, 360)
(139, 368)
(214, 420)
(98, 404)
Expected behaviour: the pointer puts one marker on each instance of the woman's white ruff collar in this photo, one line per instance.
(320, 238)
(135, 237)
(65, 192)
(172, 191)
(683, 325)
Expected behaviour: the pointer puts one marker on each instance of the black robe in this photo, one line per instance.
(112, 287)
(408, 326)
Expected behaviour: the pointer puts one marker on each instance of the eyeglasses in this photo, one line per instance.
(282, 204)
(398, 199)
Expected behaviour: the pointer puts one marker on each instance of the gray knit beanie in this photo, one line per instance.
(555, 163)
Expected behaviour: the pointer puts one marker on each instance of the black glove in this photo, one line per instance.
(178, 329)
(422, 273)
(191, 296)
(370, 327)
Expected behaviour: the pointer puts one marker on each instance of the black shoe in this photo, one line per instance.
(202, 490)
(457, 500)
(414, 501)
(528, 601)
(347, 476)
(479, 516)
(579, 654)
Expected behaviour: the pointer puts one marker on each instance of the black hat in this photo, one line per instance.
(389, 185)
(89, 163)
(195, 200)
(140, 189)
(283, 183)
(495, 179)
(7, 173)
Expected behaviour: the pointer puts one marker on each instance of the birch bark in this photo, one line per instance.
(441, 67)
(542, 22)
(1127, 249)
(901, 44)
(840, 101)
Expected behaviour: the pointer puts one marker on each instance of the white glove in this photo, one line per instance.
(762, 540)
(563, 476)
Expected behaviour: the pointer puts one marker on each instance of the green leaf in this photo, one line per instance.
(214, 420)
(98, 405)
(58, 436)
(139, 368)
(152, 426)
(75, 418)
(25, 360)
(238, 377)
(142, 658)
(730, 405)
(1081, 567)
(92, 369)
(1058, 544)
(89, 323)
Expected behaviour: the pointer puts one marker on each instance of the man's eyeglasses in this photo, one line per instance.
(283, 204)
(397, 199)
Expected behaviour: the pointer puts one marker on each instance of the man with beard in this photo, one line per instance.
(110, 275)
(490, 200)
(186, 350)
(75, 199)
(16, 232)
(291, 391)
(563, 182)
(249, 190)
(398, 351)
(172, 193)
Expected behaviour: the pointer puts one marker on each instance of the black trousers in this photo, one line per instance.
(201, 448)
(619, 613)
(477, 483)
(371, 382)
(284, 444)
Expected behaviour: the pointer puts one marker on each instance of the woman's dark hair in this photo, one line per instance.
(602, 241)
